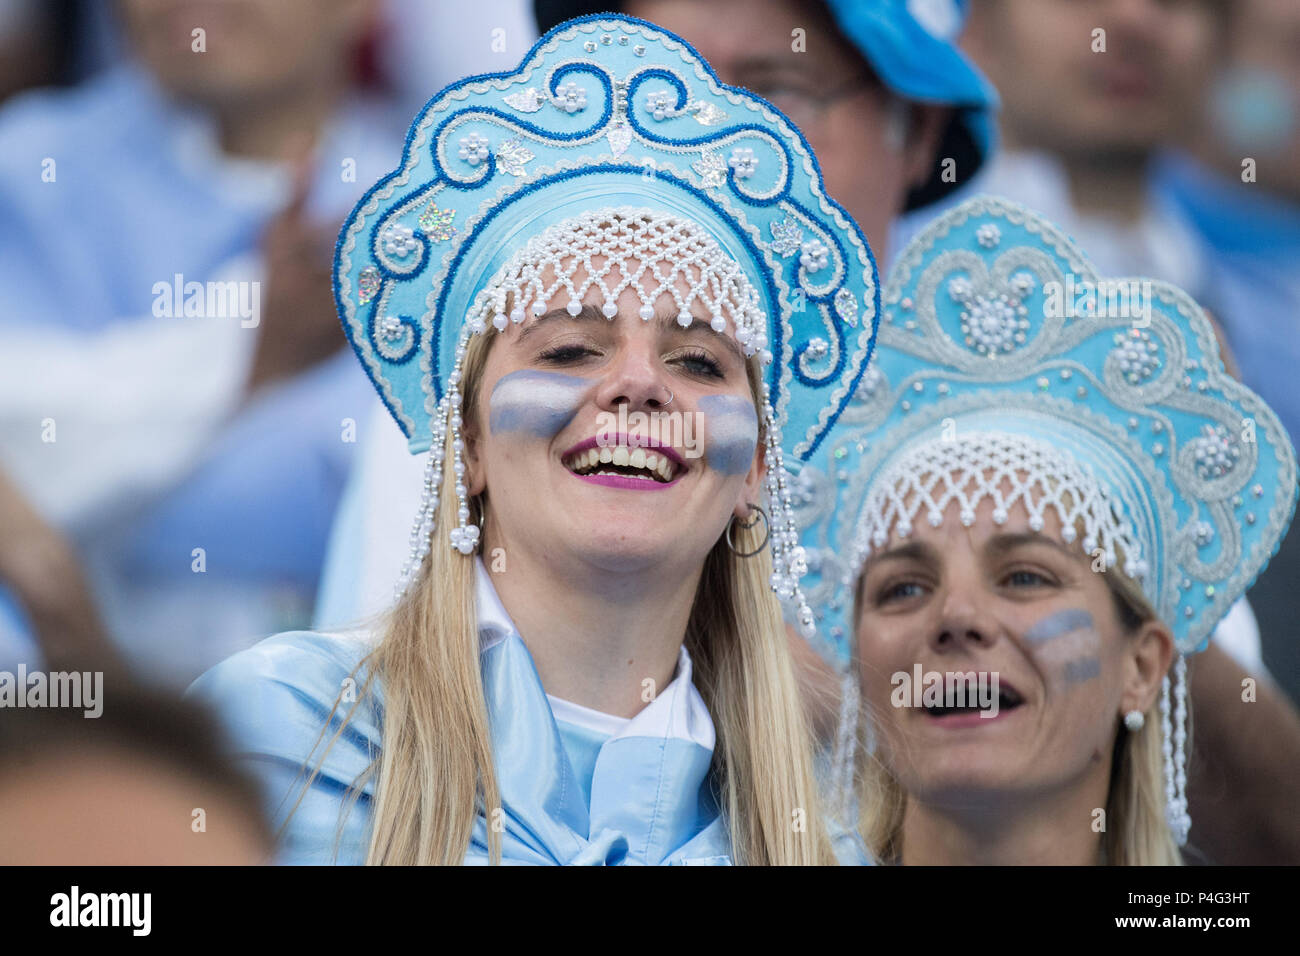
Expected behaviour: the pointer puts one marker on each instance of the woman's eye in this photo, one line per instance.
(560, 354)
(900, 591)
(700, 363)
(1026, 579)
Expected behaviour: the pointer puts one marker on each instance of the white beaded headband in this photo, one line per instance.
(641, 249)
(1006, 468)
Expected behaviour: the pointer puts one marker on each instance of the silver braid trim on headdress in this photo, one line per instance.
(1174, 748)
(463, 537)
(789, 562)
(426, 516)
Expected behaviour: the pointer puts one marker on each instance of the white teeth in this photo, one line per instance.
(587, 462)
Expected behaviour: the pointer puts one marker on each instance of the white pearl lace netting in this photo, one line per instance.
(647, 250)
(1006, 468)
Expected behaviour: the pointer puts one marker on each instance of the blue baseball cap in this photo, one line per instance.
(912, 47)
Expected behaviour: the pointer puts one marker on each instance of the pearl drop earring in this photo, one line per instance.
(1134, 720)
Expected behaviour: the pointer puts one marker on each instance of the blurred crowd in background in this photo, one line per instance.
(169, 476)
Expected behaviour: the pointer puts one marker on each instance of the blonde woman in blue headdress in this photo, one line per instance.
(577, 291)
(1054, 493)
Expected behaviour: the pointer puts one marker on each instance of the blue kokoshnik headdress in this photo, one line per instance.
(1007, 369)
(612, 138)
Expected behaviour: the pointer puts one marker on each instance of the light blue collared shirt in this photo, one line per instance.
(648, 801)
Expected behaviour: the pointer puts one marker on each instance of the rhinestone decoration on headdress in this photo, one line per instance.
(641, 249)
(992, 382)
(612, 158)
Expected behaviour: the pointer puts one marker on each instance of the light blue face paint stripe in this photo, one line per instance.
(730, 433)
(534, 402)
(1059, 624)
(1086, 668)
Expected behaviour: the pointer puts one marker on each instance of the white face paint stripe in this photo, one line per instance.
(1068, 640)
(535, 402)
(1058, 624)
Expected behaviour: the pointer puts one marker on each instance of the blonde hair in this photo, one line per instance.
(1136, 832)
(435, 772)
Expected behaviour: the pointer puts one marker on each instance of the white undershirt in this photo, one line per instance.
(597, 721)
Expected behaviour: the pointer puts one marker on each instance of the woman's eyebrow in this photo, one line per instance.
(911, 551)
(699, 328)
(1002, 543)
(589, 313)
(666, 319)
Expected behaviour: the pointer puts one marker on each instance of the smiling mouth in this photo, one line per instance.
(1008, 699)
(623, 462)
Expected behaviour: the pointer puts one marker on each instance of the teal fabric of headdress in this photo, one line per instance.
(998, 333)
(604, 112)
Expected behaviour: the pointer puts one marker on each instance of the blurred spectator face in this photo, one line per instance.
(869, 153)
(1144, 90)
(253, 50)
(114, 807)
(1256, 106)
